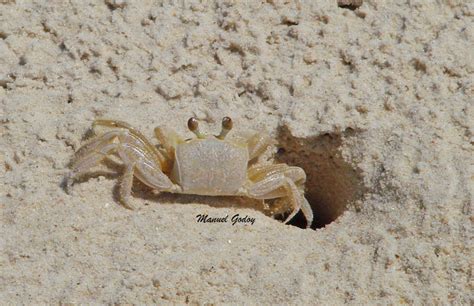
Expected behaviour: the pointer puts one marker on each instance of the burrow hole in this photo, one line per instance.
(332, 183)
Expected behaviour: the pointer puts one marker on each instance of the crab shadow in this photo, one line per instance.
(145, 193)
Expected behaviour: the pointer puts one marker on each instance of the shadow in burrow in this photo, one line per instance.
(332, 184)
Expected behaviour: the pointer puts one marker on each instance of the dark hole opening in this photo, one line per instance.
(332, 183)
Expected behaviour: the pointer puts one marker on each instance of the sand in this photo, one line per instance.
(376, 104)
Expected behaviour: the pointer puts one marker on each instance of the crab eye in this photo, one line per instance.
(193, 124)
(226, 127)
(226, 123)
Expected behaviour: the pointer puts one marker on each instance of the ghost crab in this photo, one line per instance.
(205, 165)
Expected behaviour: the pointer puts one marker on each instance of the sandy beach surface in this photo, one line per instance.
(374, 103)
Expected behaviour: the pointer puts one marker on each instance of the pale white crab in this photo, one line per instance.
(206, 165)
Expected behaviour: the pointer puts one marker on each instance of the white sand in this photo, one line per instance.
(377, 101)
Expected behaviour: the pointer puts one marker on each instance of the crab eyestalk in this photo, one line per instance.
(226, 127)
(193, 126)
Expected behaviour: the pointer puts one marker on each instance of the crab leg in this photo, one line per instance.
(155, 178)
(269, 188)
(169, 140)
(136, 137)
(96, 145)
(140, 158)
(94, 157)
(126, 186)
(95, 151)
(258, 143)
(90, 155)
(259, 172)
(137, 164)
(274, 181)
